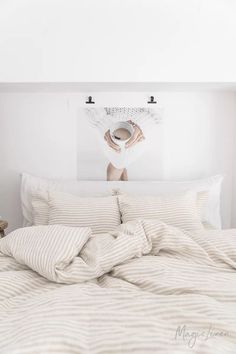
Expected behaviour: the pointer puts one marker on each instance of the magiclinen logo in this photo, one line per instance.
(190, 337)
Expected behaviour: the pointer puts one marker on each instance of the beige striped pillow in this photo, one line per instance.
(100, 213)
(40, 208)
(180, 210)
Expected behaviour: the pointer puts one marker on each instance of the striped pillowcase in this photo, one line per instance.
(100, 213)
(181, 210)
(40, 208)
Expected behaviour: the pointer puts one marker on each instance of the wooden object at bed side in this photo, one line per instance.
(3, 226)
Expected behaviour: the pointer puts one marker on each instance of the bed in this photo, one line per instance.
(143, 287)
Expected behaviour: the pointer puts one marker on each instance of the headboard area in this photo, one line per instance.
(187, 135)
(38, 190)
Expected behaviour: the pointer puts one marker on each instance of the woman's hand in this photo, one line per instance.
(136, 137)
(110, 142)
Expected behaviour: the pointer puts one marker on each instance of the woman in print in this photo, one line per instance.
(124, 133)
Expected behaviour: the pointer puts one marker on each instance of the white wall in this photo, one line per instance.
(39, 136)
(117, 40)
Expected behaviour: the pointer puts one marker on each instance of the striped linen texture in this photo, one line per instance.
(32, 186)
(100, 213)
(182, 210)
(40, 204)
(103, 213)
(64, 290)
(40, 207)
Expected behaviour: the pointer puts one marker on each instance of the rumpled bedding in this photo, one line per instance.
(144, 288)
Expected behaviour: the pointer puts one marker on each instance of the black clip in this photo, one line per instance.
(90, 100)
(152, 100)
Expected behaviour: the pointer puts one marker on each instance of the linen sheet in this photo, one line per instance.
(144, 288)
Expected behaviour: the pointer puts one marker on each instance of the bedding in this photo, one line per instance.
(210, 213)
(40, 208)
(104, 215)
(144, 288)
(32, 188)
(180, 210)
(101, 214)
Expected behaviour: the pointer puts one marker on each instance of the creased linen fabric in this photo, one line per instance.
(135, 290)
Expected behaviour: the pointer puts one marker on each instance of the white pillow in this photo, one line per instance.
(100, 214)
(180, 210)
(211, 214)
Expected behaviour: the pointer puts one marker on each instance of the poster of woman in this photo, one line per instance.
(124, 135)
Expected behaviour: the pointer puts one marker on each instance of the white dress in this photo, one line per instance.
(103, 118)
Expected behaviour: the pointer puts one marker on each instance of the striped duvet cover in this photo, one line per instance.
(144, 288)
